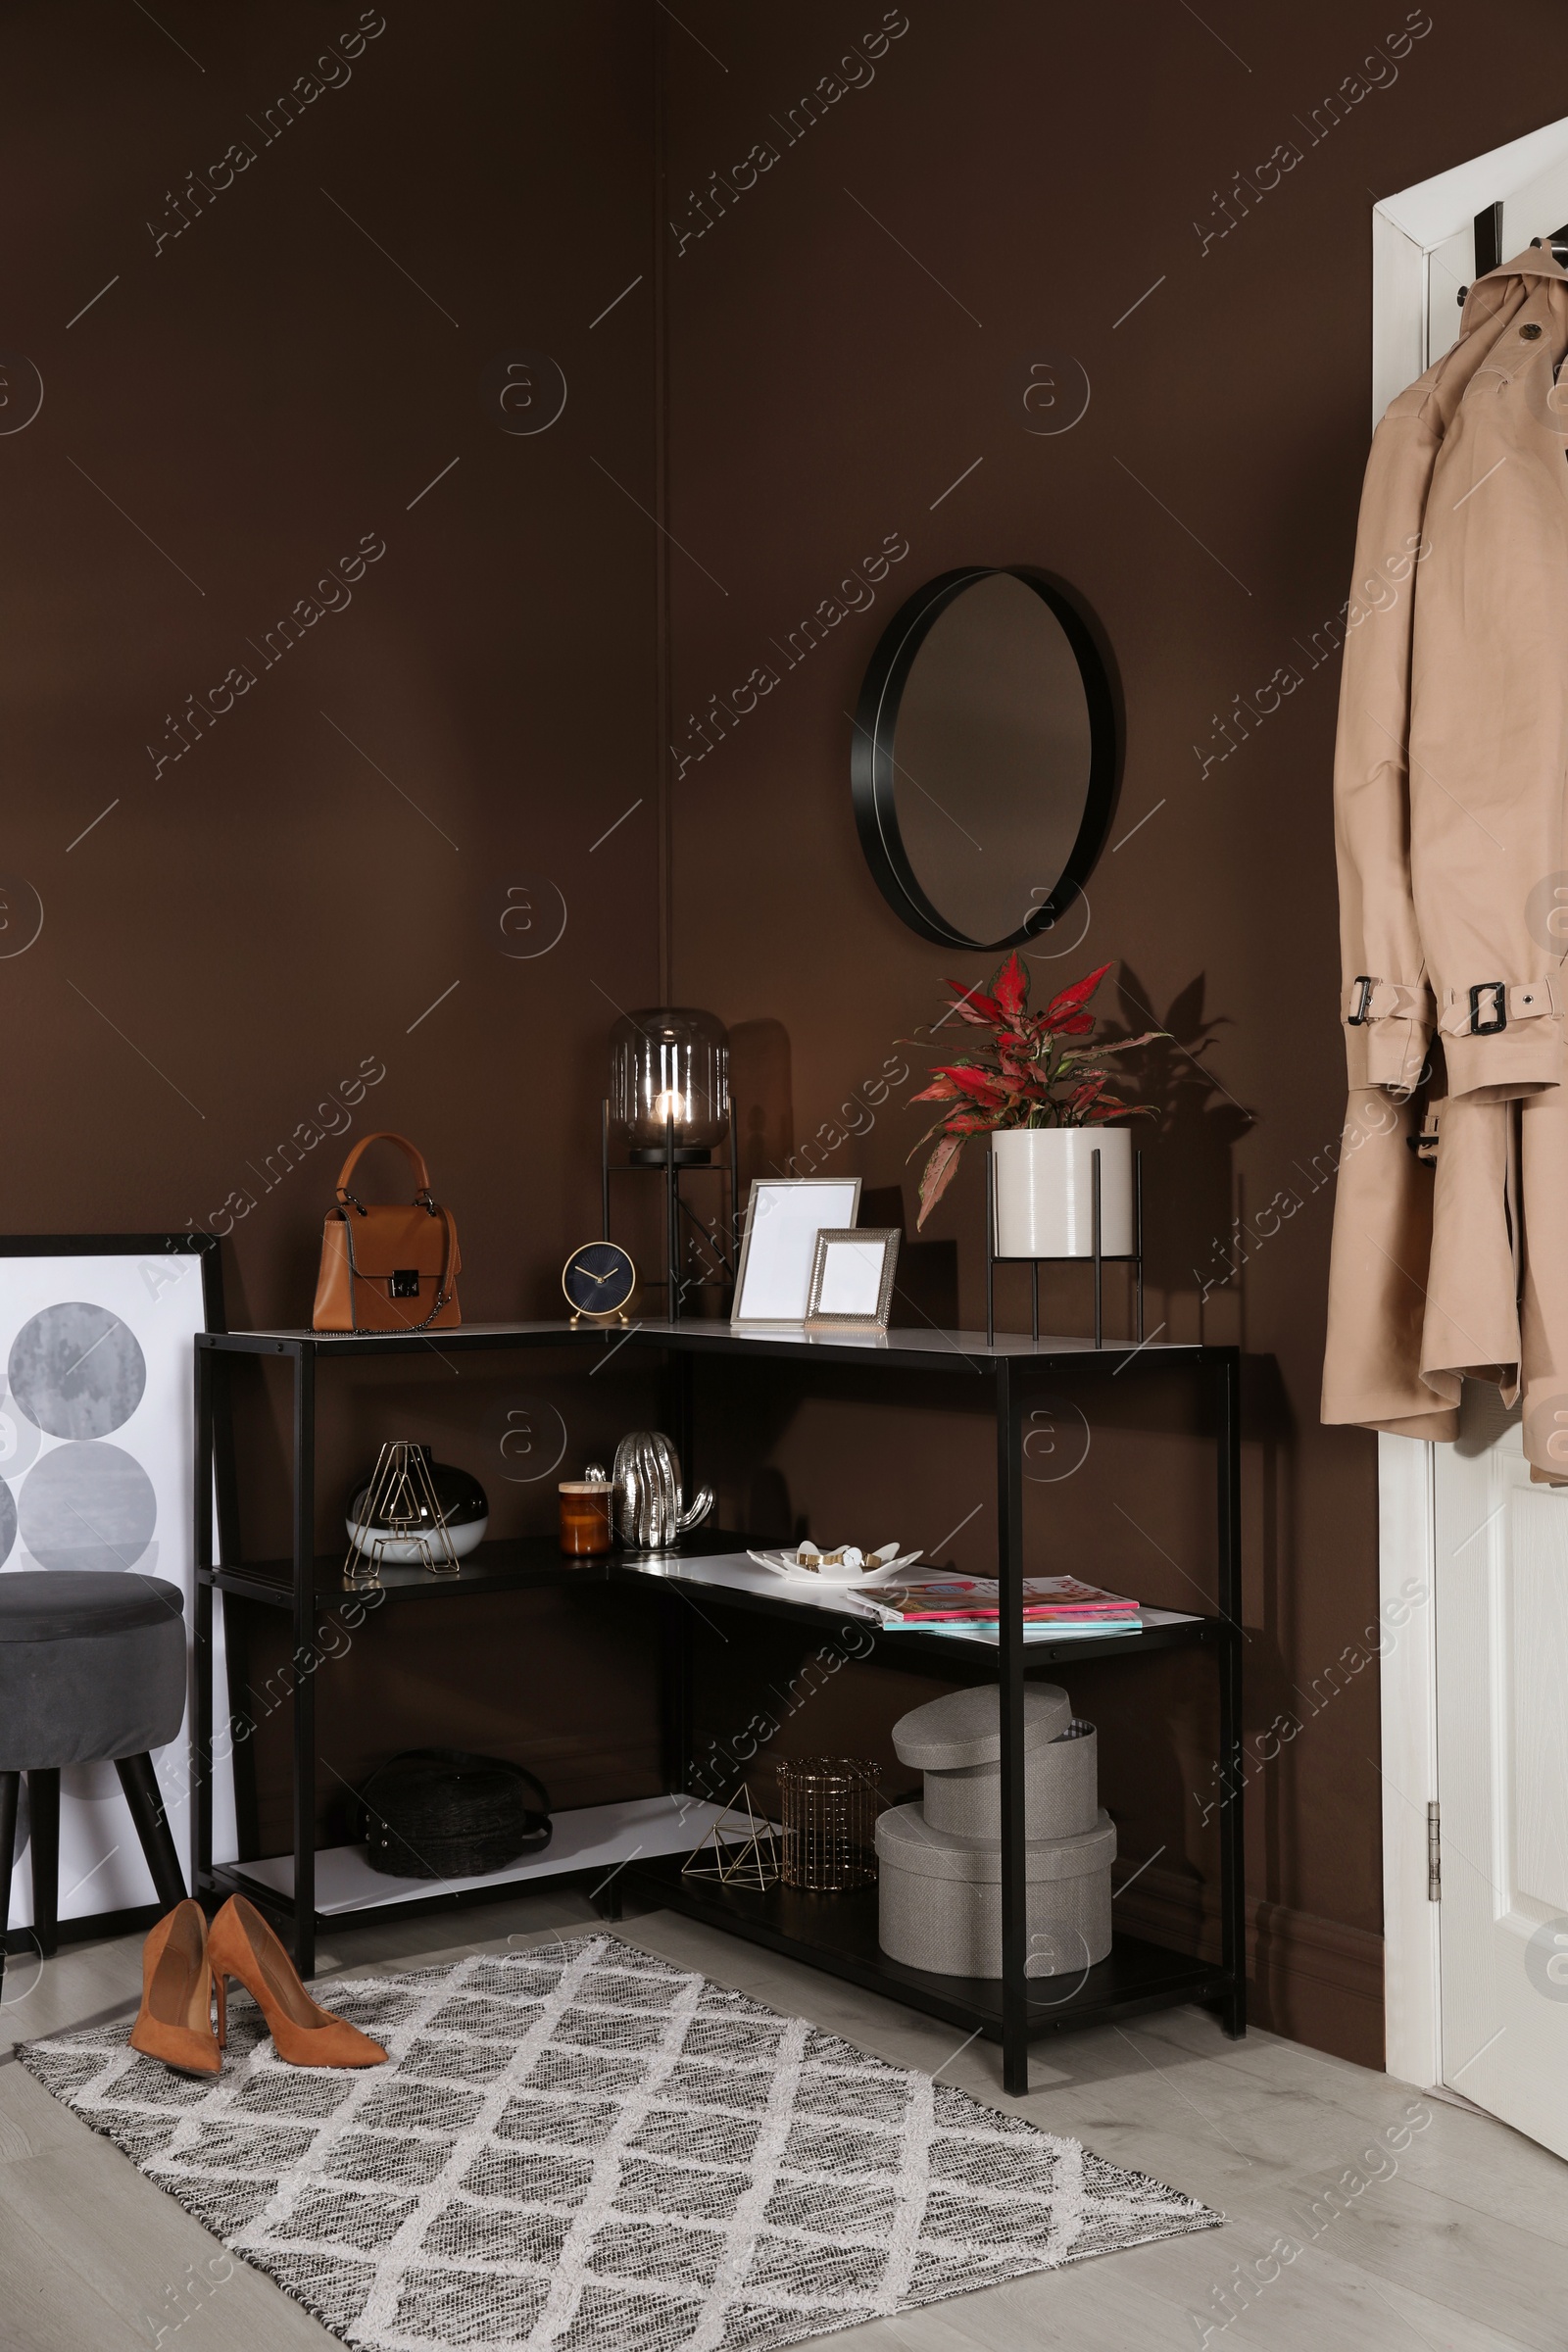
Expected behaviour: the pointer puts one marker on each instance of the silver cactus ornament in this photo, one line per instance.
(649, 1504)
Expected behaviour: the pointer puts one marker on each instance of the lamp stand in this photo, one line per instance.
(673, 1162)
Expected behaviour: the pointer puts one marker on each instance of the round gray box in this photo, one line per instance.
(957, 1742)
(964, 1727)
(940, 1899)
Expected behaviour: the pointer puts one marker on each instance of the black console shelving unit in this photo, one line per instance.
(837, 1932)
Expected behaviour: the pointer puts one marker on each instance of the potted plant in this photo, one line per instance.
(1039, 1091)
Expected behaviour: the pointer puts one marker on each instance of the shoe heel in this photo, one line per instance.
(242, 1946)
(173, 2022)
(220, 1987)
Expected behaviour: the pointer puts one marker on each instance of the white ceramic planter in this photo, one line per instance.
(1044, 1179)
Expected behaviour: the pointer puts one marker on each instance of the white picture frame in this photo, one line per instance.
(778, 1243)
(852, 1278)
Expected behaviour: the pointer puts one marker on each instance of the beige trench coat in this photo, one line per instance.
(1451, 1227)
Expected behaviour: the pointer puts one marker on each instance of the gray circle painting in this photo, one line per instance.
(8, 1522)
(87, 1505)
(20, 1437)
(77, 1370)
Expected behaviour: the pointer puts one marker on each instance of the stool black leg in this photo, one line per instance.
(146, 1801)
(43, 1807)
(10, 1784)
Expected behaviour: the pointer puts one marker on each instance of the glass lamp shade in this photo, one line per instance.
(670, 1064)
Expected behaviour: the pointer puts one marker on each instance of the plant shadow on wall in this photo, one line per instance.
(1197, 1125)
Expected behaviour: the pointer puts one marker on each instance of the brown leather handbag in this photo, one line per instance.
(385, 1267)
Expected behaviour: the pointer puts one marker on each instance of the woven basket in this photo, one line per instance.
(441, 1813)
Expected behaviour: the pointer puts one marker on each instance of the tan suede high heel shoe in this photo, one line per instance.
(174, 2022)
(241, 1943)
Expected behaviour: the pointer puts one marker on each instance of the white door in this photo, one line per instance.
(1502, 1598)
(1475, 1687)
(1502, 1641)
(1423, 248)
(1533, 211)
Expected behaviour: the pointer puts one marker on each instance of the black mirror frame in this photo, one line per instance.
(872, 764)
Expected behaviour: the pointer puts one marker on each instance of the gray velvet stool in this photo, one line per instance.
(93, 1668)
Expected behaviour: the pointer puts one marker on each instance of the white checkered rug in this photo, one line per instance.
(583, 2148)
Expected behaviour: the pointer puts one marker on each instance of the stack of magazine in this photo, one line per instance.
(1056, 1608)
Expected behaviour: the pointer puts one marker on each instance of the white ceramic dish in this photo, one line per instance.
(854, 1570)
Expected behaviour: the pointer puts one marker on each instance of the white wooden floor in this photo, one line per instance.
(1456, 2241)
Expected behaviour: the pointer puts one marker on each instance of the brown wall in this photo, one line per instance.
(252, 924)
(276, 908)
(266, 916)
(1033, 171)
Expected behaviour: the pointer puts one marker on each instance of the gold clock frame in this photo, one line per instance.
(588, 1314)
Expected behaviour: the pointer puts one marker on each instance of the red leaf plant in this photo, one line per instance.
(1029, 1072)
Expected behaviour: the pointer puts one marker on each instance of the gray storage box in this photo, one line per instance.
(957, 1742)
(940, 1899)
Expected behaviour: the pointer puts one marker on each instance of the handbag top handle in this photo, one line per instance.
(384, 1136)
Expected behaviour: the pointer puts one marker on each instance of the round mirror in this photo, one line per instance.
(984, 756)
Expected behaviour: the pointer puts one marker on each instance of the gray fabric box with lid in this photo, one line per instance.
(940, 1861)
(940, 1899)
(957, 1742)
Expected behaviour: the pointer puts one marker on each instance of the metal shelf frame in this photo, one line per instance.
(822, 1932)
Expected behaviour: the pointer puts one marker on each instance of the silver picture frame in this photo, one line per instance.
(783, 1216)
(876, 1248)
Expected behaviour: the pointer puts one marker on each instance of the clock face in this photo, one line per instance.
(598, 1278)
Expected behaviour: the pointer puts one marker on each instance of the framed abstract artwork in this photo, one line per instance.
(96, 1471)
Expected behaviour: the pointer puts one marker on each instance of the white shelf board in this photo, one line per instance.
(1057, 1632)
(590, 1837)
(906, 1338)
(738, 1572)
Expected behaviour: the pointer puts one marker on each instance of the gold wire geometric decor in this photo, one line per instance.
(738, 1849)
(399, 1519)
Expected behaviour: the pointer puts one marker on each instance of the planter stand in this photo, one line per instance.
(1097, 1256)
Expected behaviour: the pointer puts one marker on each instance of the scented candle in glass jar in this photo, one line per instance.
(585, 1528)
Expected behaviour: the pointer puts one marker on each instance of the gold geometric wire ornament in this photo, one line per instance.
(399, 1519)
(750, 1859)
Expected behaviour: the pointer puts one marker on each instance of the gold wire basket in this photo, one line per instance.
(829, 1805)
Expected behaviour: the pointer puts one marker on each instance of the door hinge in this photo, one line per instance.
(1434, 1853)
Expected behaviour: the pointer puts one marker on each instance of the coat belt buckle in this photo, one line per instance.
(1479, 1027)
(1359, 1016)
